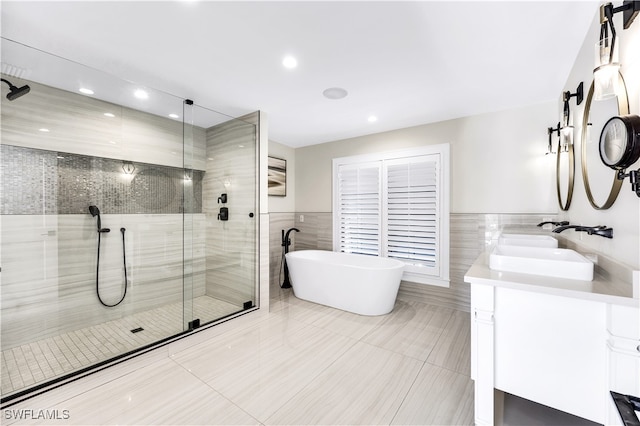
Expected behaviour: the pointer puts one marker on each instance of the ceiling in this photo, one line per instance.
(407, 63)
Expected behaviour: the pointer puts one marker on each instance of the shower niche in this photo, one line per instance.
(156, 176)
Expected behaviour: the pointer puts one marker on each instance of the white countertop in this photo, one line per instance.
(601, 289)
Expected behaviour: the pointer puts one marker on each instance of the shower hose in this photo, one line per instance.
(124, 262)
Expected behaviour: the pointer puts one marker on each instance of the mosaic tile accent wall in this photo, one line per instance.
(48, 182)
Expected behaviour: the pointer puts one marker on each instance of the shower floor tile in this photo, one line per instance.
(30, 364)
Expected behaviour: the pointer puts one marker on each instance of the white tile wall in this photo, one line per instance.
(49, 267)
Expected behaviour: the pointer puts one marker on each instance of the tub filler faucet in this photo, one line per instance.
(286, 242)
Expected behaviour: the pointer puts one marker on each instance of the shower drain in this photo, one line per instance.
(137, 330)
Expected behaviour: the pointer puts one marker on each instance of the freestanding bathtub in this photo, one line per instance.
(364, 285)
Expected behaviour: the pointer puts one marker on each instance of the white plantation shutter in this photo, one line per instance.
(412, 206)
(396, 205)
(358, 206)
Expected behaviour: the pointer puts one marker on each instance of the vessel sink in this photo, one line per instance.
(527, 240)
(550, 262)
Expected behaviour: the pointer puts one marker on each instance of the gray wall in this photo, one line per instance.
(491, 155)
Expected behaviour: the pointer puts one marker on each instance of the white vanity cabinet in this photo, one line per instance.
(564, 346)
(623, 355)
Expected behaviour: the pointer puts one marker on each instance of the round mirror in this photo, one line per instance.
(596, 115)
(565, 170)
(620, 142)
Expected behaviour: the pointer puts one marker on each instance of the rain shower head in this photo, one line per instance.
(15, 92)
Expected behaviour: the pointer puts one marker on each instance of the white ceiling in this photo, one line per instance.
(408, 63)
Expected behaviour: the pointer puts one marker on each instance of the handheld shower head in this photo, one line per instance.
(95, 212)
(15, 92)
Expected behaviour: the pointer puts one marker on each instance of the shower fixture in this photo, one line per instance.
(15, 92)
(95, 212)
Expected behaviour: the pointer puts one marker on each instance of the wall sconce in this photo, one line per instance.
(566, 132)
(550, 131)
(128, 168)
(605, 73)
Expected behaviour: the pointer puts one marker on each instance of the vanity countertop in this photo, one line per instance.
(601, 289)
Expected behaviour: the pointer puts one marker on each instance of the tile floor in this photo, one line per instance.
(27, 365)
(300, 364)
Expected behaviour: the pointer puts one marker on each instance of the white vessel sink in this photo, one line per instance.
(550, 262)
(527, 240)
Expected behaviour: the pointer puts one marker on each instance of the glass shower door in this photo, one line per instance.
(221, 226)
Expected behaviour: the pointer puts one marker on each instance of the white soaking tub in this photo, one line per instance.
(365, 285)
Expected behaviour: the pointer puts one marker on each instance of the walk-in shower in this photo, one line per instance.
(110, 238)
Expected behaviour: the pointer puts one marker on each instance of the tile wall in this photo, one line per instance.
(50, 182)
(470, 235)
(49, 270)
(231, 245)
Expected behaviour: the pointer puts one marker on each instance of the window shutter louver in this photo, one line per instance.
(412, 212)
(359, 208)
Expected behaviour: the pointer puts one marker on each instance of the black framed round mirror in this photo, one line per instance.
(620, 142)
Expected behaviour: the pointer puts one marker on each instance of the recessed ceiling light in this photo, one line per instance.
(289, 62)
(174, 116)
(141, 94)
(372, 119)
(85, 91)
(43, 130)
(335, 93)
(108, 114)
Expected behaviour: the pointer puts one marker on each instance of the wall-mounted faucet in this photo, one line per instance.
(600, 230)
(564, 222)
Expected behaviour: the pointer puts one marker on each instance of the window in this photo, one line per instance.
(396, 205)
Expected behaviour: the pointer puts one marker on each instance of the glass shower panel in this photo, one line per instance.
(92, 191)
(224, 243)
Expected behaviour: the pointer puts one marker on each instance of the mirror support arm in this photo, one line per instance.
(634, 178)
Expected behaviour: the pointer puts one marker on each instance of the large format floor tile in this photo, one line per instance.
(413, 329)
(438, 397)
(161, 393)
(364, 386)
(453, 348)
(300, 364)
(262, 368)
